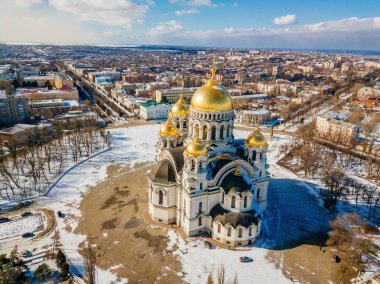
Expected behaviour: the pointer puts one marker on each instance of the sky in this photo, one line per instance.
(322, 24)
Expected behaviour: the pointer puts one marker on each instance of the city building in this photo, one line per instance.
(172, 95)
(369, 93)
(21, 133)
(205, 181)
(335, 130)
(154, 110)
(253, 117)
(64, 93)
(13, 109)
(63, 80)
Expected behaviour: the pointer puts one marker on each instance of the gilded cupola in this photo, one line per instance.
(212, 96)
(256, 139)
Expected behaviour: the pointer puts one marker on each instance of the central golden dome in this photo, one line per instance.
(211, 96)
(180, 108)
(256, 139)
(196, 148)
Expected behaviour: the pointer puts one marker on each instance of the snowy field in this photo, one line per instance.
(21, 226)
(292, 211)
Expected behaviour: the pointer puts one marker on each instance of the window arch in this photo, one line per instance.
(205, 132)
(221, 132)
(233, 202)
(200, 207)
(240, 233)
(228, 130)
(223, 197)
(219, 228)
(178, 122)
(229, 231)
(250, 231)
(197, 131)
(160, 197)
(185, 123)
(254, 155)
(192, 165)
(200, 221)
(213, 132)
(258, 193)
(245, 201)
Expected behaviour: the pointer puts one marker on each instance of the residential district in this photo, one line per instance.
(125, 164)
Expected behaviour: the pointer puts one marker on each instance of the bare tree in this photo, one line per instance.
(89, 263)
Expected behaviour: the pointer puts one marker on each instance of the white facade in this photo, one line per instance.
(151, 110)
(205, 181)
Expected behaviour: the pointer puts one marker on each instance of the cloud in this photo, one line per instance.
(197, 3)
(122, 13)
(25, 3)
(347, 33)
(166, 28)
(285, 20)
(187, 12)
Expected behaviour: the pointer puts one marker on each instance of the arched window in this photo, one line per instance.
(229, 232)
(233, 201)
(160, 197)
(164, 143)
(254, 155)
(228, 130)
(240, 234)
(192, 165)
(245, 201)
(200, 207)
(221, 132)
(250, 231)
(219, 228)
(200, 186)
(178, 122)
(213, 133)
(196, 130)
(205, 132)
(185, 123)
(260, 174)
(223, 197)
(258, 193)
(261, 156)
(200, 221)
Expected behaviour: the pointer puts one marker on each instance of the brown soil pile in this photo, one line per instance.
(112, 218)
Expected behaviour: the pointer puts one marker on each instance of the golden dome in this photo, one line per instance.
(168, 129)
(180, 108)
(211, 96)
(196, 148)
(256, 139)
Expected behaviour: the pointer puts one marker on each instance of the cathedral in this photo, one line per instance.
(205, 181)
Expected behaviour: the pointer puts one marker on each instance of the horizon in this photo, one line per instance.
(205, 23)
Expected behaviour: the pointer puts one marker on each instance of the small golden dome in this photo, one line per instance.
(256, 139)
(180, 108)
(168, 129)
(211, 96)
(196, 148)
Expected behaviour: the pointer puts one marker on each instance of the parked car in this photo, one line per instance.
(60, 214)
(245, 259)
(27, 235)
(26, 214)
(27, 253)
(4, 219)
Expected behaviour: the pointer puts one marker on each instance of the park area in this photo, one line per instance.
(104, 201)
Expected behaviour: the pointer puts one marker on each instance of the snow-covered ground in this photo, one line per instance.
(20, 226)
(292, 211)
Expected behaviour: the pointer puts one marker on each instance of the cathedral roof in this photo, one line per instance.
(235, 219)
(235, 183)
(219, 161)
(177, 154)
(211, 96)
(163, 172)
